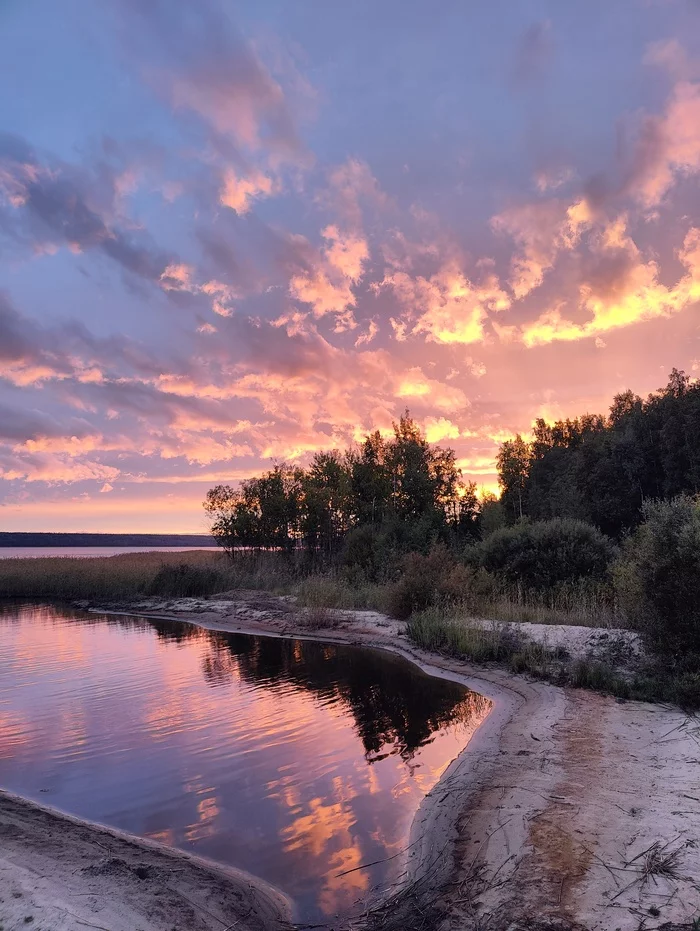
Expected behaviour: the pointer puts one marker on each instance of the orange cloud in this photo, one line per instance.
(669, 145)
(639, 296)
(447, 306)
(238, 193)
(328, 287)
(541, 230)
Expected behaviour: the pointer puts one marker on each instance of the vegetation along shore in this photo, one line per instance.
(598, 526)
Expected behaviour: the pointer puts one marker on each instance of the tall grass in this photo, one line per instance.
(200, 573)
(584, 603)
(135, 575)
(444, 631)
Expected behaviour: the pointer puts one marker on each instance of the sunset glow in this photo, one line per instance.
(233, 235)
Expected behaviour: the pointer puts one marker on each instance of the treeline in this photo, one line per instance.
(598, 522)
(602, 468)
(409, 488)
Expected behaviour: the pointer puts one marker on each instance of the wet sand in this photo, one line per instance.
(548, 819)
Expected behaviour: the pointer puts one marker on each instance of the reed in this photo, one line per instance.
(135, 575)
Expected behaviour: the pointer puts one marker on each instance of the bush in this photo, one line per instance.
(361, 557)
(187, 581)
(657, 576)
(319, 618)
(542, 554)
(420, 583)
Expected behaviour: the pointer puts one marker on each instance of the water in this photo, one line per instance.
(294, 760)
(13, 552)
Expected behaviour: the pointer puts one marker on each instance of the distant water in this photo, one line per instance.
(295, 760)
(13, 552)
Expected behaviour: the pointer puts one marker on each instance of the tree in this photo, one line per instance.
(370, 481)
(327, 512)
(513, 462)
(233, 523)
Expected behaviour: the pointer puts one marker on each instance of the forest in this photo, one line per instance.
(602, 468)
(595, 468)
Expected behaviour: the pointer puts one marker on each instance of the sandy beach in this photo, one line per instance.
(59, 873)
(567, 810)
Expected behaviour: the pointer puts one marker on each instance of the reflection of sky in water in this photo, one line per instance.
(294, 760)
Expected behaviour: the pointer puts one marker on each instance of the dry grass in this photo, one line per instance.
(658, 861)
(319, 618)
(123, 576)
(133, 575)
(584, 611)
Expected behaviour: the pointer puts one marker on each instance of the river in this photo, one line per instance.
(295, 760)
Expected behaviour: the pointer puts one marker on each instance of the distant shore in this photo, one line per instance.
(23, 539)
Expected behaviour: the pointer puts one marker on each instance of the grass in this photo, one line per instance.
(198, 573)
(440, 628)
(319, 618)
(134, 575)
(441, 631)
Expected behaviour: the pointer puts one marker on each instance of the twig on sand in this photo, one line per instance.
(364, 866)
(561, 887)
(87, 924)
(651, 847)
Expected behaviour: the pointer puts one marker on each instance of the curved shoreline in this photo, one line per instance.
(547, 808)
(73, 872)
(435, 817)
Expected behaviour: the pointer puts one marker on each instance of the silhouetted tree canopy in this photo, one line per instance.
(404, 485)
(601, 469)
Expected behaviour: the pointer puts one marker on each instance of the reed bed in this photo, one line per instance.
(128, 575)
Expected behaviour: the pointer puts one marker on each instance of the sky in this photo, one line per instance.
(238, 234)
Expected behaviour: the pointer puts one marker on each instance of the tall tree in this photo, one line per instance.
(513, 462)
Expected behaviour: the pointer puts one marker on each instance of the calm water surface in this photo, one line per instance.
(16, 552)
(294, 760)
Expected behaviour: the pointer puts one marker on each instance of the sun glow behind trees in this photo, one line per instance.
(404, 481)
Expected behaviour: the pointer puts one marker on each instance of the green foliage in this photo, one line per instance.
(601, 469)
(422, 582)
(658, 575)
(440, 632)
(363, 555)
(542, 554)
(513, 462)
(447, 631)
(492, 515)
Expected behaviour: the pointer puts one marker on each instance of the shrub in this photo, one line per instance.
(542, 554)
(419, 585)
(187, 581)
(657, 576)
(319, 618)
(361, 557)
(443, 632)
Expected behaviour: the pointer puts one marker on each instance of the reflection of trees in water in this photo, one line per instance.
(396, 708)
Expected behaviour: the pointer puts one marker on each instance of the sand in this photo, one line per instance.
(562, 812)
(58, 873)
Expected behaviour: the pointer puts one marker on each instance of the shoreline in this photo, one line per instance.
(67, 873)
(542, 817)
